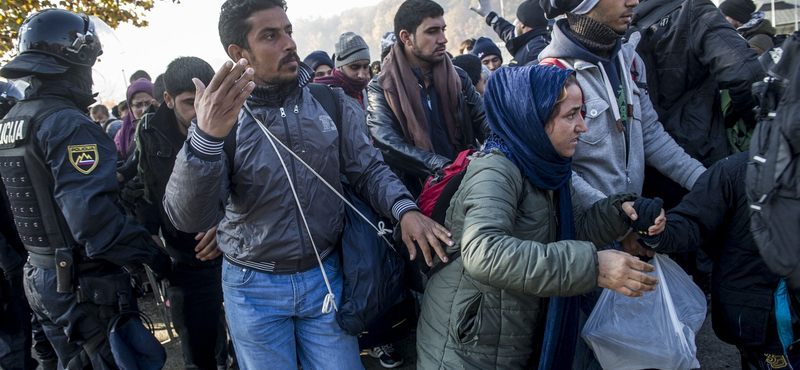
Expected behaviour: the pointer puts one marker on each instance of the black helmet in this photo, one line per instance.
(52, 40)
(10, 93)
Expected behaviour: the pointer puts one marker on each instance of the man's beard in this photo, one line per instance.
(428, 58)
(281, 80)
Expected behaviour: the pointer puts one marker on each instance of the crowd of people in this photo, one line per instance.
(214, 181)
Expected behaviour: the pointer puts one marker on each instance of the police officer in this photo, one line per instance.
(59, 169)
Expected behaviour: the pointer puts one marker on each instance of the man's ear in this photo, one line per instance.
(169, 101)
(406, 38)
(236, 52)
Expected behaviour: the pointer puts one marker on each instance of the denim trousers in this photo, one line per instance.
(276, 320)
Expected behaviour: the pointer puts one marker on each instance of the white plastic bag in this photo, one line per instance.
(655, 331)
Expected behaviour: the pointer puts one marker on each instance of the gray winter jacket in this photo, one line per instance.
(261, 226)
(604, 163)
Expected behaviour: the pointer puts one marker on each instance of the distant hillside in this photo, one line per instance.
(373, 21)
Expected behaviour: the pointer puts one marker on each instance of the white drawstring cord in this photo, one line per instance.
(330, 298)
(381, 231)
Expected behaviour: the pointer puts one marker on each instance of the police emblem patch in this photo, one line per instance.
(83, 157)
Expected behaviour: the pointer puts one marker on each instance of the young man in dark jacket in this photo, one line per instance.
(278, 224)
(527, 38)
(195, 289)
(422, 110)
(715, 216)
(690, 54)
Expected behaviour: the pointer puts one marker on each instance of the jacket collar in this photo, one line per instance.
(276, 95)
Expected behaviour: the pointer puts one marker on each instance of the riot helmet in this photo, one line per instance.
(10, 94)
(51, 41)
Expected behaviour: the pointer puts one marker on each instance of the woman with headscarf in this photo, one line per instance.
(140, 99)
(523, 238)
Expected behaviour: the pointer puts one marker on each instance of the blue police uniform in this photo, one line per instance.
(59, 169)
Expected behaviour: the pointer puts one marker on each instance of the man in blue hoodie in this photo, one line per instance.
(623, 129)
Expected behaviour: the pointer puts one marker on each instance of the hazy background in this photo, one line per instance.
(190, 29)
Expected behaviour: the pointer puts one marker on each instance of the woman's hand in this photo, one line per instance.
(623, 273)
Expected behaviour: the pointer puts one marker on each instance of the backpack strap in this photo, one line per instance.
(324, 94)
(553, 62)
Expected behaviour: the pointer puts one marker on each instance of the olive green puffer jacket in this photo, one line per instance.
(481, 310)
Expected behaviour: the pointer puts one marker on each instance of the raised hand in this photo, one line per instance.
(483, 9)
(218, 105)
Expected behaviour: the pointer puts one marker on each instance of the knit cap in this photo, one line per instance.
(485, 46)
(318, 58)
(470, 64)
(739, 10)
(554, 8)
(350, 48)
(387, 40)
(531, 14)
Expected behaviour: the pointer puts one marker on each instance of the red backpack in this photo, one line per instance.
(434, 200)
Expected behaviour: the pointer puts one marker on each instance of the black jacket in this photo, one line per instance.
(715, 216)
(526, 47)
(413, 165)
(158, 141)
(699, 54)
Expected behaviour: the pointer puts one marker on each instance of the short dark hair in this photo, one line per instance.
(122, 106)
(99, 108)
(179, 74)
(233, 25)
(158, 89)
(412, 12)
(140, 74)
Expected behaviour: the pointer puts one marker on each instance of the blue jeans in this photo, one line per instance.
(276, 319)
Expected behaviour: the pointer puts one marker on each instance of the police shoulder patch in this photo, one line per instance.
(83, 157)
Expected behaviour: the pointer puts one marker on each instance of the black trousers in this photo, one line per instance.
(77, 331)
(195, 297)
(15, 327)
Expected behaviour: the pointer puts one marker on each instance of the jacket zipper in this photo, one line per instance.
(299, 129)
(298, 217)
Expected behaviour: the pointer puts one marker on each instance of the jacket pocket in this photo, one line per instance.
(161, 151)
(468, 323)
(596, 125)
(745, 317)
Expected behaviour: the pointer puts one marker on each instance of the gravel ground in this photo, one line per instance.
(712, 353)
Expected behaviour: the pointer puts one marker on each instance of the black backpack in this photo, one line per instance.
(773, 173)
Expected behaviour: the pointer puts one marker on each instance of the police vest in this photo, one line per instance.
(28, 180)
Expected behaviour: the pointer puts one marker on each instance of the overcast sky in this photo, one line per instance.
(185, 29)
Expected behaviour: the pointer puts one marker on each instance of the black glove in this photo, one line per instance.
(161, 265)
(130, 194)
(648, 210)
(14, 278)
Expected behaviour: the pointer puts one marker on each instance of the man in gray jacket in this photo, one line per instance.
(623, 133)
(278, 224)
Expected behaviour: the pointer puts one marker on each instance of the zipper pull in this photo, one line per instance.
(283, 113)
(296, 110)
